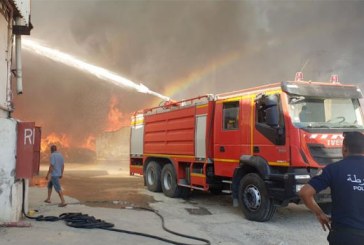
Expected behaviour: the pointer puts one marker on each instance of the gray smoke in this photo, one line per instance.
(158, 42)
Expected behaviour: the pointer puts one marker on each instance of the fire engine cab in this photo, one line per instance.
(261, 144)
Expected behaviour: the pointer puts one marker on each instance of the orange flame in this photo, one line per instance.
(90, 143)
(116, 119)
(54, 139)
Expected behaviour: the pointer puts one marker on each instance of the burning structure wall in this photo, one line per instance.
(114, 145)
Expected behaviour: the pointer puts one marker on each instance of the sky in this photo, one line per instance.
(181, 49)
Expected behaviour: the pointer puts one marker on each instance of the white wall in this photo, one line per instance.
(10, 190)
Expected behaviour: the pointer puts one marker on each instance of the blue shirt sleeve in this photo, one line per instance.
(321, 181)
(53, 159)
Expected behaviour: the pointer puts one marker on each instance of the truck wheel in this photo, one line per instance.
(169, 182)
(153, 177)
(254, 200)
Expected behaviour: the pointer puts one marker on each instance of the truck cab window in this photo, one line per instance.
(325, 113)
(230, 115)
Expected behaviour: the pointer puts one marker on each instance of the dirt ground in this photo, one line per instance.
(100, 184)
(109, 185)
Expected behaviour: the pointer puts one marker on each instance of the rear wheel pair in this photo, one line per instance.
(164, 180)
(153, 177)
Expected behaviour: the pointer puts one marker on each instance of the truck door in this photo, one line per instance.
(227, 141)
(269, 137)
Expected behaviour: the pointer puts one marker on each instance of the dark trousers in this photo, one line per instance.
(346, 236)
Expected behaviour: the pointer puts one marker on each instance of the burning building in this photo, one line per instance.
(72, 152)
(114, 145)
(111, 143)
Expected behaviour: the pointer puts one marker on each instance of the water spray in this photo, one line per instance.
(97, 71)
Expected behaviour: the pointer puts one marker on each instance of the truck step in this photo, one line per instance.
(192, 187)
(226, 191)
(182, 182)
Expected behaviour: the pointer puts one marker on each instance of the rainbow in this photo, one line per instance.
(195, 76)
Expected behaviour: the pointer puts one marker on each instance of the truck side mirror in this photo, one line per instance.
(271, 111)
(270, 100)
(272, 116)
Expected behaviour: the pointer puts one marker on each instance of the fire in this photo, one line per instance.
(61, 140)
(84, 149)
(116, 119)
(90, 143)
(71, 150)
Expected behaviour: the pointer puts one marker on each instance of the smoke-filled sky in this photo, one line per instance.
(179, 49)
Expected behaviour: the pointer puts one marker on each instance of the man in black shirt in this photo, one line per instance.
(346, 181)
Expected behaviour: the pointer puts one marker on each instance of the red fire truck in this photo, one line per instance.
(261, 144)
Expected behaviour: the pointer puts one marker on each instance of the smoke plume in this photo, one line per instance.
(160, 42)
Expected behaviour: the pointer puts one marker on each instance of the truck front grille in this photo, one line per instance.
(323, 155)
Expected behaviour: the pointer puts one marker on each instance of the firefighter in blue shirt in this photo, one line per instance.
(346, 181)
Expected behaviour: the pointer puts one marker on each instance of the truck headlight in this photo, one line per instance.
(303, 176)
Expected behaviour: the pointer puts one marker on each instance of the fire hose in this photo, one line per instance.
(80, 220)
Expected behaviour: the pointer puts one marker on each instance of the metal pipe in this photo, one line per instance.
(19, 72)
(9, 103)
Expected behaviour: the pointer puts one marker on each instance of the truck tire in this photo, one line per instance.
(169, 182)
(153, 177)
(254, 200)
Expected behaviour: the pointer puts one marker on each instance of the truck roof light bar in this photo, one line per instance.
(299, 76)
(334, 79)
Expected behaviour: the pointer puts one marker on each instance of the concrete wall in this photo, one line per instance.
(10, 189)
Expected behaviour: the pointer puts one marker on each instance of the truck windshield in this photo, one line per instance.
(309, 112)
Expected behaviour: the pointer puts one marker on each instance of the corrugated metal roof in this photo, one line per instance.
(23, 7)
